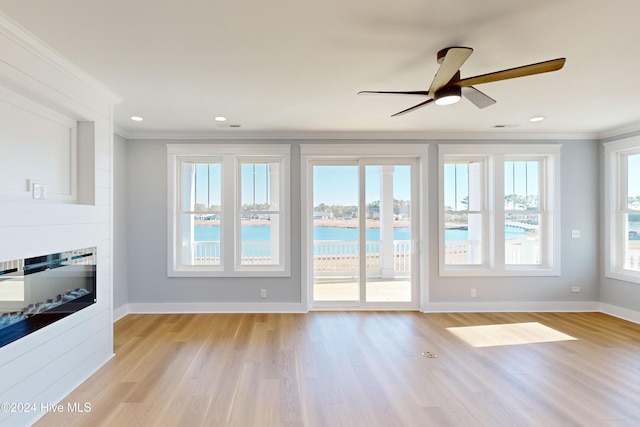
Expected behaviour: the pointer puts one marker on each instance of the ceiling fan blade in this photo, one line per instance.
(453, 59)
(371, 92)
(415, 107)
(512, 73)
(479, 99)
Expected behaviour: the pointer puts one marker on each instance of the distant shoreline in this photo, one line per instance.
(354, 223)
(331, 223)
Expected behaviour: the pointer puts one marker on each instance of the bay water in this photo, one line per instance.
(262, 233)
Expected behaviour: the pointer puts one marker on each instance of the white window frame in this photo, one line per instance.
(493, 235)
(486, 226)
(314, 154)
(615, 170)
(542, 211)
(230, 157)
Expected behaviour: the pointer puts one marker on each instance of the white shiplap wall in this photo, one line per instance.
(45, 366)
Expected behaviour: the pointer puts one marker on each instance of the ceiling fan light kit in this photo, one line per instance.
(448, 95)
(447, 87)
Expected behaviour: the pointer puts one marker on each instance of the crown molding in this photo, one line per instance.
(350, 135)
(27, 40)
(615, 133)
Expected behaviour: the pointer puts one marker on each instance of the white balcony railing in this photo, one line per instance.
(633, 262)
(254, 253)
(341, 257)
(521, 251)
(330, 256)
(206, 252)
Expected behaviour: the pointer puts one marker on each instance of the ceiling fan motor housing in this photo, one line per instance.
(448, 95)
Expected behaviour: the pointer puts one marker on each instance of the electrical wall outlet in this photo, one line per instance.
(263, 293)
(575, 234)
(575, 289)
(473, 293)
(39, 191)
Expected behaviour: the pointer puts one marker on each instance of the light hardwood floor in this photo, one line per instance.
(361, 369)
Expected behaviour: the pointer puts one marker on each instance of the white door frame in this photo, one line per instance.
(363, 154)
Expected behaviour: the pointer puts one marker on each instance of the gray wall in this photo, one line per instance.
(120, 223)
(147, 209)
(612, 291)
(579, 257)
(147, 237)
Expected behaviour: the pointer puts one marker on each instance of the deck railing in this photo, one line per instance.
(206, 252)
(330, 256)
(341, 256)
(523, 251)
(254, 253)
(633, 262)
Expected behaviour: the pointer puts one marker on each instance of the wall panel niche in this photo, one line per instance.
(41, 148)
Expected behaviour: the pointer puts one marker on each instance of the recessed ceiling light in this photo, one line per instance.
(536, 119)
(220, 119)
(137, 118)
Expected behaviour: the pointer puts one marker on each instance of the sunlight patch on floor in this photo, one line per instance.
(508, 334)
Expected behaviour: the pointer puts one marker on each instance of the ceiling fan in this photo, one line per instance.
(447, 87)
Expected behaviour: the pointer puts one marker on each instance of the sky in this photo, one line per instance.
(333, 185)
(208, 183)
(338, 185)
(520, 177)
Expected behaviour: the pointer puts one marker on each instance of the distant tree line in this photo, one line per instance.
(511, 202)
(400, 207)
(201, 207)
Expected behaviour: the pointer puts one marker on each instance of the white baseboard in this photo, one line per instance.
(120, 312)
(622, 313)
(437, 307)
(212, 307)
(482, 307)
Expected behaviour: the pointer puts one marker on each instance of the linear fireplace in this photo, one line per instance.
(35, 292)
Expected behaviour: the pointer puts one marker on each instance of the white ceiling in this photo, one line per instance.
(292, 68)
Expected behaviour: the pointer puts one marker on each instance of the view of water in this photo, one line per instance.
(261, 233)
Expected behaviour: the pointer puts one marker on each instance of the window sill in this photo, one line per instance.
(626, 276)
(483, 272)
(230, 274)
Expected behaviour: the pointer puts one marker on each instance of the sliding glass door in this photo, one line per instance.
(388, 233)
(336, 254)
(363, 233)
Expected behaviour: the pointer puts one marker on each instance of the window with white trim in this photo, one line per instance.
(622, 215)
(465, 214)
(497, 210)
(228, 211)
(524, 211)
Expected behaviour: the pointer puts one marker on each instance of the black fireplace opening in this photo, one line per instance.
(38, 291)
